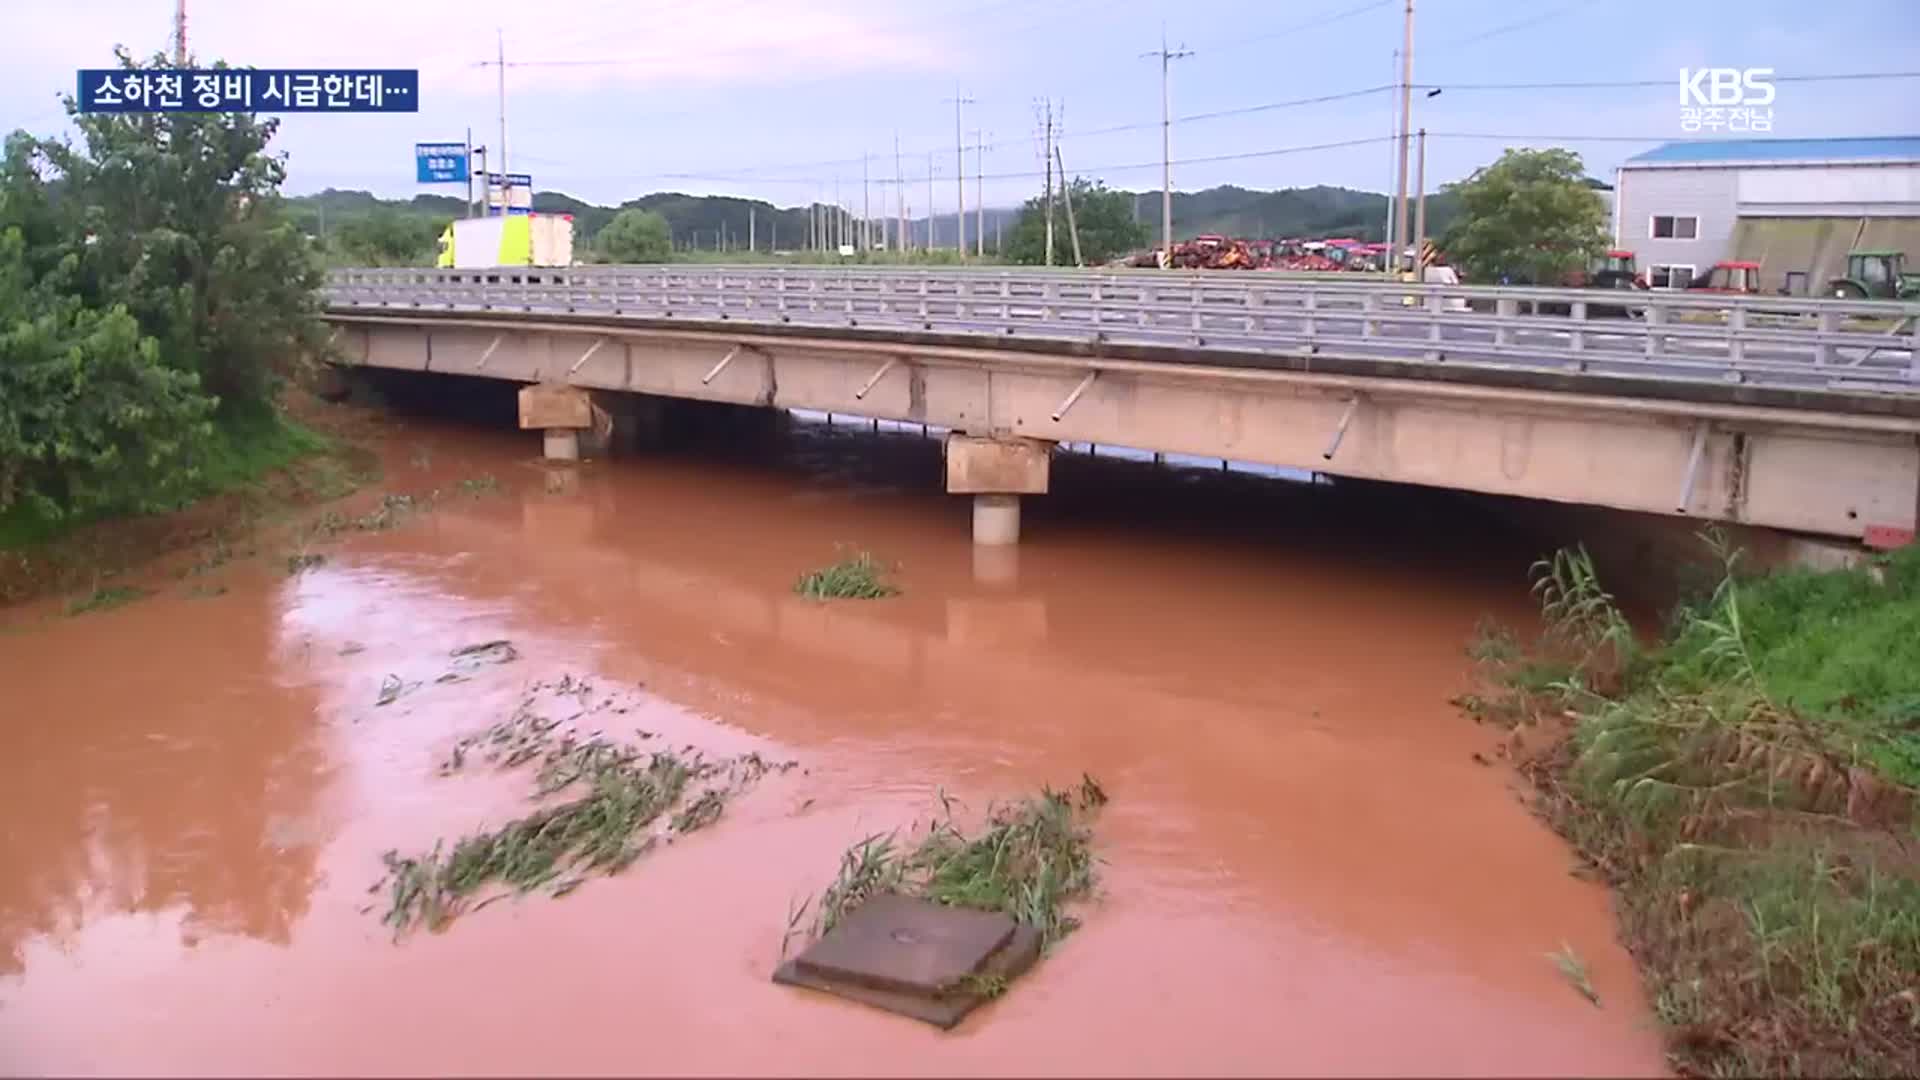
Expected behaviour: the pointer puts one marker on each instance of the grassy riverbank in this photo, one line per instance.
(1747, 786)
(237, 454)
(298, 454)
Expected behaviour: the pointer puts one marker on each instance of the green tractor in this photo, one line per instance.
(1878, 275)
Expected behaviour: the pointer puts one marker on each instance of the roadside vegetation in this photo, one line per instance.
(1029, 860)
(1102, 217)
(1532, 217)
(1748, 786)
(152, 297)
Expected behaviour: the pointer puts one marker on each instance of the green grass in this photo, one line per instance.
(1749, 785)
(243, 449)
(595, 832)
(1574, 970)
(858, 577)
(598, 802)
(1030, 860)
(1841, 649)
(248, 447)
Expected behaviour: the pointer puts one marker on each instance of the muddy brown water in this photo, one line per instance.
(1305, 871)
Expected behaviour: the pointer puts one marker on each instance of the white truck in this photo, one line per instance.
(510, 240)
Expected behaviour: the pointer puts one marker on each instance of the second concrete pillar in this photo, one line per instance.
(996, 472)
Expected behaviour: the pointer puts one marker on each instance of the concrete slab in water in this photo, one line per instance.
(919, 959)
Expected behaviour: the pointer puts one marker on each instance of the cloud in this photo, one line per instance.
(661, 45)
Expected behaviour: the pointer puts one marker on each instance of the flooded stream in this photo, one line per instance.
(1305, 870)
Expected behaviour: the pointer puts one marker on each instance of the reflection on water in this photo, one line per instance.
(157, 765)
(1301, 852)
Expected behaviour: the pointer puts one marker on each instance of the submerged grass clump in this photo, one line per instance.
(600, 801)
(1029, 860)
(1749, 786)
(859, 577)
(598, 831)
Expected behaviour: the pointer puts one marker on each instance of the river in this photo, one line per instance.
(1305, 870)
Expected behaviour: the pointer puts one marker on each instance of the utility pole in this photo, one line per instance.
(1167, 57)
(468, 165)
(866, 208)
(1420, 209)
(1406, 114)
(753, 230)
(899, 198)
(959, 177)
(180, 33)
(929, 201)
(1066, 196)
(1393, 153)
(500, 41)
(837, 234)
(1046, 155)
(979, 194)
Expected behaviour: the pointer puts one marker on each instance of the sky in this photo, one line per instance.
(781, 99)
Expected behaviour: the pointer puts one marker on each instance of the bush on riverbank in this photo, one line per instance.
(149, 281)
(1748, 786)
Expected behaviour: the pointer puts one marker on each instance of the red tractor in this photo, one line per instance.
(1728, 277)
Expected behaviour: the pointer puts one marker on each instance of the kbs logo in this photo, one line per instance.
(1733, 99)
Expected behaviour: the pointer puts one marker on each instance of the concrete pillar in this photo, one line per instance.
(996, 519)
(996, 472)
(562, 412)
(563, 444)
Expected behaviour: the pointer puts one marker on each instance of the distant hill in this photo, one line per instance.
(707, 222)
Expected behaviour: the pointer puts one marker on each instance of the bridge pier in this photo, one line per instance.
(561, 444)
(996, 519)
(561, 412)
(996, 472)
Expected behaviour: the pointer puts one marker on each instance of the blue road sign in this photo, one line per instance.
(321, 90)
(440, 162)
(513, 189)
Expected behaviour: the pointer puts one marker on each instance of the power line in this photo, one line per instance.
(1519, 24)
(1286, 31)
(1216, 114)
(1270, 106)
(1548, 138)
(756, 171)
(1616, 84)
(1027, 175)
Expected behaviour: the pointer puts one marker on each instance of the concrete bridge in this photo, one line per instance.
(1790, 414)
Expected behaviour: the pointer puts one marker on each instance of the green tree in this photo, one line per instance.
(90, 418)
(149, 284)
(635, 236)
(1104, 218)
(178, 218)
(387, 237)
(1529, 218)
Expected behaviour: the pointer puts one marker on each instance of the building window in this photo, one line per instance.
(1671, 227)
(1670, 275)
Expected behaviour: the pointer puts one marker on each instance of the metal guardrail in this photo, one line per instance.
(1767, 341)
